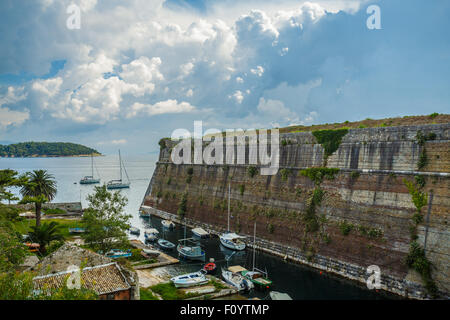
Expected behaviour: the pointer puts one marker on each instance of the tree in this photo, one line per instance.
(9, 178)
(40, 188)
(44, 234)
(104, 220)
(12, 251)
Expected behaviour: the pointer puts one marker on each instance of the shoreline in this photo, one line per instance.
(51, 156)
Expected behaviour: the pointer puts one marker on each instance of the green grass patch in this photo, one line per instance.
(146, 294)
(330, 139)
(168, 291)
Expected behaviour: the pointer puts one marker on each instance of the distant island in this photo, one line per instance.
(46, 149)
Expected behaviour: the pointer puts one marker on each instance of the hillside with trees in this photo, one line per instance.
(45, 149)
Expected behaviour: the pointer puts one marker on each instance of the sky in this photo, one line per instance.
(134, 71)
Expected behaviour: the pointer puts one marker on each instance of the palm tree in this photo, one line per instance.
(45, 234)
(40, 188)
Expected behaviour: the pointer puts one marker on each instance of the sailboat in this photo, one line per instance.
(258, 277)
(119, 184)
(230, 239)
(190, 249)
(90, 179)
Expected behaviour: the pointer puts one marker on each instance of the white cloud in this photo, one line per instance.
(9, 117)
(162, 107)
(258, 71)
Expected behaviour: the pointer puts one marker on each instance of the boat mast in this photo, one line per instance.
(229, 188)
(92, 165)
(120, 164)
(254, 245)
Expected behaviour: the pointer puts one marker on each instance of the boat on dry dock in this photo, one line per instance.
(190, 279)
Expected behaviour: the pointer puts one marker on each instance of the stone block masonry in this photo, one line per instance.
(364, 218)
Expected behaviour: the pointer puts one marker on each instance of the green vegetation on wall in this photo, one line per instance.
(330, 139)
(318, 174)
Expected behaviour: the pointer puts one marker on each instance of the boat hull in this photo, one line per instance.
(189, 280)
(95, 181)
(166, 245)
(196, 257)
(232, 246)
(117, 186)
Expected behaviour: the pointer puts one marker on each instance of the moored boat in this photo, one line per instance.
(275, 295)
(200, 232)
(151, 234)
(117, 253)
(90, 179)
(189, 249)
(135, 231)
(168, 224)
(210, 267)
(230, 239)
(119, 184)
(151, 253)
(165, 244)
(190, 279)
(236, 280)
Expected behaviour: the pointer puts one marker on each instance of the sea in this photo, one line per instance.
(299, 281)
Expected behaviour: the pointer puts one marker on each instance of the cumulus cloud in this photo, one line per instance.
(162, 107)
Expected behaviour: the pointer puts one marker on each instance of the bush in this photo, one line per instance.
(285, 174)
(252, 171)
(345, 227)
(242, 189)
(355, 175)
(270, 228)
(54, 211)
(317, 174)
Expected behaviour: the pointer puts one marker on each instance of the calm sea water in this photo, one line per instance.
(300, 282)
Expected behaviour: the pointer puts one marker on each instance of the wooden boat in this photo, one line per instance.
(165, 244)
(116, 253)
(190, 279)
(77, 230)
(135, 231)
(275, 295)
(168, 224)
(90, 179)
(200, 232)
(229, 239)
(119, 184)
(258, 277)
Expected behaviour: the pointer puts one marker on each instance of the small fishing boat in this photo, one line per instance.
(236, 280)
(76, 230)
(143, 214)
(165, 244)
(119, 184)
(275, 295)
(90, 179)
(151, 253)
(168, 224)
(151, 234)
(190, 279)
(210, 267)
(200, 232)
(116, 253)
(135, 231)
(190, 249)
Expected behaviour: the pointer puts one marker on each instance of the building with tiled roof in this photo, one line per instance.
(106, 280)
(101, 274)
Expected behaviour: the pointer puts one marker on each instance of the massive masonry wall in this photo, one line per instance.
(375, 201)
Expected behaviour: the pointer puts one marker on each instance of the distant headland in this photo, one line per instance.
(46, 149)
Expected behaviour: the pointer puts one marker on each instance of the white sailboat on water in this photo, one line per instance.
(230, 239)
(90, 179)
(119, 184)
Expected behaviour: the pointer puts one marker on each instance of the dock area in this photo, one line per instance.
(163, 258)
